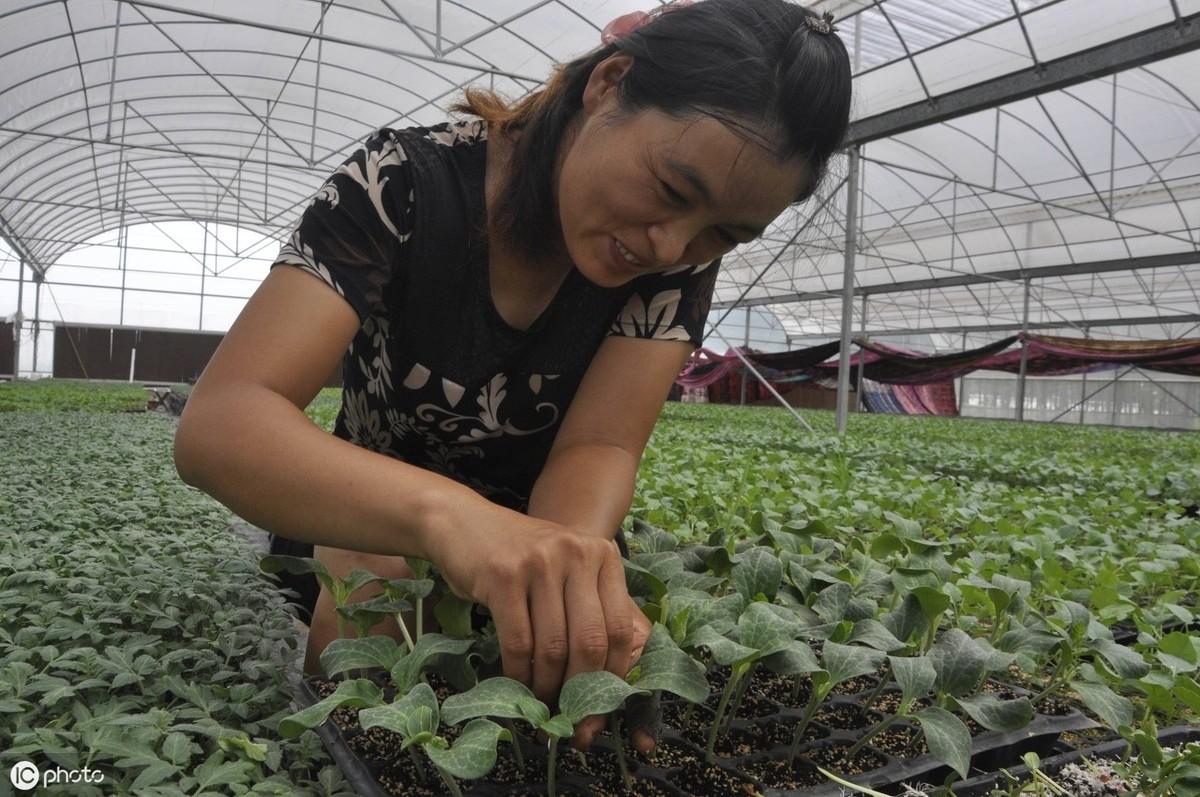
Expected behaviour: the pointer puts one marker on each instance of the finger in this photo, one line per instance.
(643, 716)
(618, 615)
(642, 628)
(585, 731)
(551, 645)
(587, 621)
(644, 742)
(510, 612)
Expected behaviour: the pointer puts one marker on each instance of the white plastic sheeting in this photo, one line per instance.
(115, 113)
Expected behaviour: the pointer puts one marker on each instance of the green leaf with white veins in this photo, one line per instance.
(410, 589)
(495, 697)
(875, 634)
(948, 738)
(342, 655)
(663, 566)
(473, 754)
(960, 664)
(843, 662)
(764, 631)
(1106, 704)
(1125, 662)
(757, 572)
(796, 659)
(413, 716)
(907, 621)
(359, 693)
(915, 675)
(995, 714)
(594, 692)
(724, 650)
(832, 602)
(407, 671)
(670, 669)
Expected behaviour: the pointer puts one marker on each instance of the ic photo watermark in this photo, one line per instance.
(26, 776)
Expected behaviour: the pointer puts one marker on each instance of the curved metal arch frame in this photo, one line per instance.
(910, 55)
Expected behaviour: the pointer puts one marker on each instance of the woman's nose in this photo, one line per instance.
(669, 240)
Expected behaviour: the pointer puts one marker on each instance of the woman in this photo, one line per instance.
(512, 298)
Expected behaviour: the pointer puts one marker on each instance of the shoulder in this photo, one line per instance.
(465, 133)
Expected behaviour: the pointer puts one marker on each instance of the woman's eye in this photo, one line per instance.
(674, 195)
(727, 239)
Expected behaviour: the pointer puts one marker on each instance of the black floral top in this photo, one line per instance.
(435, 376)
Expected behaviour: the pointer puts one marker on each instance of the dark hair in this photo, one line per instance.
(738, 61)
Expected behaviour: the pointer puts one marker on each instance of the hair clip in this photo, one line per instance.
(822, 24)
(626, 24)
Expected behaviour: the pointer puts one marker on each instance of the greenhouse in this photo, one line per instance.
(905, 494)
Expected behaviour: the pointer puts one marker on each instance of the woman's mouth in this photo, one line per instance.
(622, 258)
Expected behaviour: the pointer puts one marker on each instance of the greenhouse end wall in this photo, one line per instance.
(1134, 400)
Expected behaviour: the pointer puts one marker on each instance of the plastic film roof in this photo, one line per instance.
(116, 112)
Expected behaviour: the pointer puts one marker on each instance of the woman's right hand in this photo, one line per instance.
(558, 597)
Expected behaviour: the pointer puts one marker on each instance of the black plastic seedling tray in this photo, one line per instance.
(982, 785)
(990, 751)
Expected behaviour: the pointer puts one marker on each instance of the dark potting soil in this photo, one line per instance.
(665, 755)
(762, 736)
(641, 788)
(830, 756)
(889, 702)
(847, 717)
(779, 688)
(901, 742)
(695, 729)
(709, 780)
(775, 773)
(863, 683)
(594, 764)
(1054, 706)
(754, 704)
(1088, 737)
(1000, 690)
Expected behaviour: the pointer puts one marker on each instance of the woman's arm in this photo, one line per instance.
(245, 440)
(589, 477)
(588, 480)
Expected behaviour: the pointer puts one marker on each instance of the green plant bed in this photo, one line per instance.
(70, 395)
(731, 618)
(136, 637)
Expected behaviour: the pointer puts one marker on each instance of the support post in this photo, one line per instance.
(746, 344)
(203, 269)
(1083, 384)
(862, 402)
(1024, 356)
(843, 390)
(37, 310)
(123, 237)
(18, 319)
(962, 380)
(1112, 417)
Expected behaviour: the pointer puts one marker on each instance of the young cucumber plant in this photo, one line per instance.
(952, 672)
(585, 694)
(416, 717)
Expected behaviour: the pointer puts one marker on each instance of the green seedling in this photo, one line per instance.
(585, 694)
(416, 718)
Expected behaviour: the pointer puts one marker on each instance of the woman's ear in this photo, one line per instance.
(602, 84)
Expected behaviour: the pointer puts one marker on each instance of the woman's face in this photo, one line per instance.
(649, 192)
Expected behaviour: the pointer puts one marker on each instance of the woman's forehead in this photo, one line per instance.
(727, 168)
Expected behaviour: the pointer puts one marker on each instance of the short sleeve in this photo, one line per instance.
(352, 234)
(672, 305)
